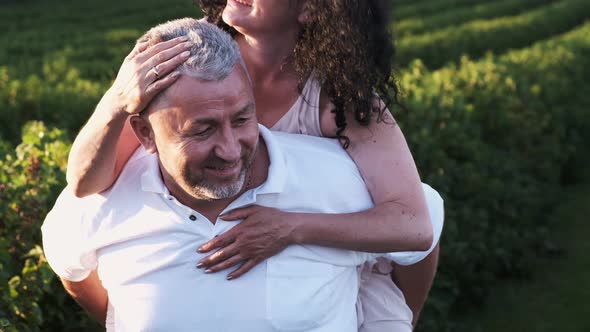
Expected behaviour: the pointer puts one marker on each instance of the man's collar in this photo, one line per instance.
(277, 170)
(151, 178)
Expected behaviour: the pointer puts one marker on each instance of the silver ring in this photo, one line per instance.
(155, 70)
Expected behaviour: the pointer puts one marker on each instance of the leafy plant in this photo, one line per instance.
(31, 177)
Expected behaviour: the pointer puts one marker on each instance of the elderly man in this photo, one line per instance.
(134, 247)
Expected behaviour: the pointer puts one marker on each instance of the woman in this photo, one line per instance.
(315, 67)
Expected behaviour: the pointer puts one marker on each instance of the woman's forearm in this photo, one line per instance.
(388, 227)
(90, 295)
(93, 157)
(400, 220)
(264, 232)
(107, 141)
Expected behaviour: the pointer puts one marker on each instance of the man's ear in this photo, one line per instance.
(303, 17)
(144, 132)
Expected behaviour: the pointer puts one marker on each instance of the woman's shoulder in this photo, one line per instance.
(327, 122)
(381, 121)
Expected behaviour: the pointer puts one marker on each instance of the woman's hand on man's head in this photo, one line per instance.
(147, 71)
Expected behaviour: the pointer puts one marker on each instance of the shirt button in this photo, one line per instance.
(192, 217)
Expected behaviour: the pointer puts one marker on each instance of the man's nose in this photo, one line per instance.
(228, 146)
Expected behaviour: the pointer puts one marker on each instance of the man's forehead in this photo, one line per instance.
(190, 94)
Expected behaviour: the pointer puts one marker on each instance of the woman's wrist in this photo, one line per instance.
(296, 228)
(111, 105)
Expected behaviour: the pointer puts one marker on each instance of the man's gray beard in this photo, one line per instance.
(209, 191)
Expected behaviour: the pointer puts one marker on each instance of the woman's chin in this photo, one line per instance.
(238, 22)
(235, 13)
(230, 18)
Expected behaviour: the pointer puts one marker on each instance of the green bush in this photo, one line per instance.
(32, 299)
(59, 97)
(55, 67)
(494, 137)
(498, 35)
(423, 8)
(42, 28)
(417, 25)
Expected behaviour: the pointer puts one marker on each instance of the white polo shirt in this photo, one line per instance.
(144, 243)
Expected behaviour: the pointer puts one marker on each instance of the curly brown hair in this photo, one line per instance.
(348, 46)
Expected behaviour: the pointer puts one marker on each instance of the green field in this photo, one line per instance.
(552, 298)
(498, 121)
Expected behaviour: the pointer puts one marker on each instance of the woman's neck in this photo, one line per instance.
(274, 79)
(268, 58)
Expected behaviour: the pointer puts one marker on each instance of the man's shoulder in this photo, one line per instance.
(310, 146)
(123, 192)
(139, 168)
(318, 173)
(281, 135)
(319, 160)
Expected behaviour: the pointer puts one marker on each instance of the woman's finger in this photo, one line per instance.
(138, 48)
(229, 262)
(160, 47)
(142, 47)
(239, 214)
(176, 54)
(220, 241)
(247, 266)
(161, 69)
(161, 84)
(218, 256)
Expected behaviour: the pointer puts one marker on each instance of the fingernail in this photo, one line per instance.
(208, 271)
(175, 74)
(229, 277)
(200, 265)
(184, 38)
(185, 54)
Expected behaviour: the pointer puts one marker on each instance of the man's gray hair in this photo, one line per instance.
(214, 53)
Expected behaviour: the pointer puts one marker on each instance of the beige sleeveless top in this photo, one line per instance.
(304, 116)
